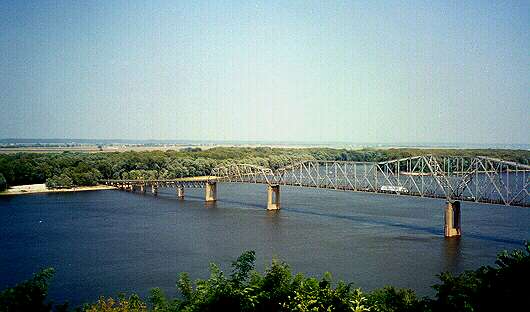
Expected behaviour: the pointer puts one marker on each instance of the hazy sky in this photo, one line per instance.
(353, 71)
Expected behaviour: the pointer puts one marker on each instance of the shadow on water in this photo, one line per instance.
(426, 229)
(452, 243)
(494, 239)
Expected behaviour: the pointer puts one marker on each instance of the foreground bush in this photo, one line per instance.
(29, 295)
(500, 288)
(122, 304)
(390, 299)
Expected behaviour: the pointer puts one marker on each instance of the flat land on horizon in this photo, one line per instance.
(126, 148)
(179, 147)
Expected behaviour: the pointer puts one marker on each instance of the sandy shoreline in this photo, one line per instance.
(41, 188)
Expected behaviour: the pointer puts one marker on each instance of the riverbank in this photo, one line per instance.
(41, 188)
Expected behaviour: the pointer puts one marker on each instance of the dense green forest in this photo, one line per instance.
(502, 287)
(68, 168)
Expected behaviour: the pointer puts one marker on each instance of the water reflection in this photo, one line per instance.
(452, 253)
(210, 204)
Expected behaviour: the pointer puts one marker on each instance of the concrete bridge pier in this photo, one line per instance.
(273, 197)
(211, 191)
(142, 188)
(180, 192)
(154, 189)
(452, 227)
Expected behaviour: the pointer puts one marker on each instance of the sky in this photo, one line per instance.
(304, 71)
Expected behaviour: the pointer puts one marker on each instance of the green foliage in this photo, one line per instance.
(3, 182)
(276, 290)
(390, 299)
(132, 303)
(276, 285)
(88, 168)
(242, 267)
(83, 174)
(61, 181)
(159, 301)
(29, 295)
(310, 294)
(136, 174)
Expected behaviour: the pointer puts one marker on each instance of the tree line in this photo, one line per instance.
(68, 169)
(489, 288)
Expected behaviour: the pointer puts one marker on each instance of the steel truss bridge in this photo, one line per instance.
(476, 179)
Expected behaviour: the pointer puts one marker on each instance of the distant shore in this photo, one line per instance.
(12, 148)
(41, 188)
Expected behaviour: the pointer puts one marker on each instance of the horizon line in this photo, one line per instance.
(246, 141)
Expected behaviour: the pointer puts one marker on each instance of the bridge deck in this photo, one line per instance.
(150, 181)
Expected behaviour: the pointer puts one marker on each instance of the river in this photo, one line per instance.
(104, 242)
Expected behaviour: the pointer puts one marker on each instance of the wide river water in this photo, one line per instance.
(104, 242)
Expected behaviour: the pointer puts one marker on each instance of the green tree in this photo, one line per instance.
(30, 295)
(3, 182)
(133, 303)
(61, 181)
(391, 299)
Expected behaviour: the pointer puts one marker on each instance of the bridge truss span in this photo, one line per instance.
(244, 173)
(478, 179)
